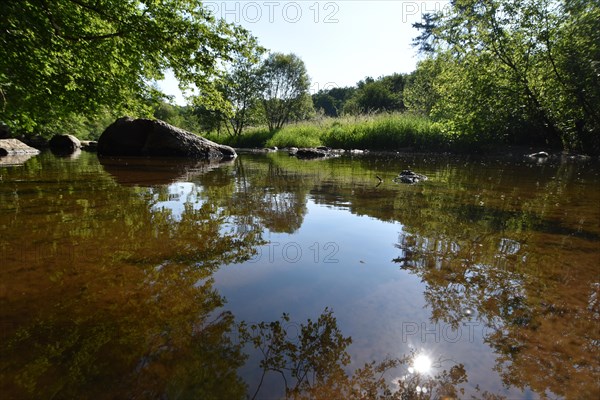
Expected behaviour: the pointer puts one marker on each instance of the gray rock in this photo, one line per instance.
(145, 137)
(356, 151)
(13, 147)
(309, 152)
(89, 145)
(245, 150)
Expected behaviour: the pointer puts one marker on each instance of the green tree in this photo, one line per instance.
(322, 100)
(574, 57)
(210, 119)
(285, 94)
(241, 88)
(332, 101)
(420, 94)
(179, 116)
(383, 94)
(479, 105)
(75, 56)
(518, 70)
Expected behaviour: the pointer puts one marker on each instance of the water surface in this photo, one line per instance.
(129, 278)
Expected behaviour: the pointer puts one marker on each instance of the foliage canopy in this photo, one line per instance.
(515, 71)
(75, 56)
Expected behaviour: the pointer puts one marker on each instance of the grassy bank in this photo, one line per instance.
(374, 132)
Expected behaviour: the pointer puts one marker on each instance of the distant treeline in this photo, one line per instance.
(368, 96)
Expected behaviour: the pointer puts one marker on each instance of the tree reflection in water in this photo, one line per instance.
(312, 365)
(519, 296)
(108, 293)
(112, 297)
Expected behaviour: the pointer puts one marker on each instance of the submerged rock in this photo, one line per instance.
(578, 157)
(539, 154)
(410, 177)
(247, 150)
(356, 151)
(145, 137)
(313, 153)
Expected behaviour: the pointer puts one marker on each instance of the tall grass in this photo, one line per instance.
(297, 135)
(384, 132)
(254, 137)
(394, 131)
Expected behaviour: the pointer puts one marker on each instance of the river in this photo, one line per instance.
(139, 278)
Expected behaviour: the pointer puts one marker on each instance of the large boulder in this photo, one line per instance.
(64, 144)
(145, 137)
(11, 147)
(15, 152)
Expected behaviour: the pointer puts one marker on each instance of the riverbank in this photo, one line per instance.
(393, 132)
(518, 154)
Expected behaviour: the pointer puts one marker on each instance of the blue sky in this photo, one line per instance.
(341, 42)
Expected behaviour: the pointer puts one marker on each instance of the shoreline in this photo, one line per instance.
(512, 153)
